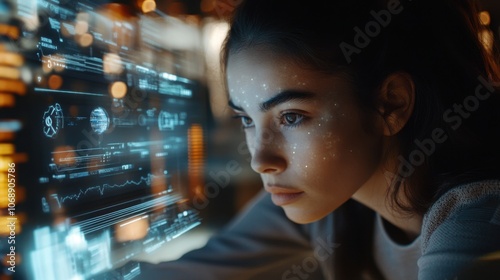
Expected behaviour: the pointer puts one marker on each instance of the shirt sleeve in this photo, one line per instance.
(468, 232)
(262, 243)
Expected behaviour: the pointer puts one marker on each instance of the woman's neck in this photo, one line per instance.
(374, 194)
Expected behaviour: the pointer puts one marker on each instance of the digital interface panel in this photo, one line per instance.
(106, 129)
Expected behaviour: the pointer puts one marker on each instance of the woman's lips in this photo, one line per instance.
(282, 196)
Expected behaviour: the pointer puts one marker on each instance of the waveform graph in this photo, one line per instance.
(53, 120)
(100, 191)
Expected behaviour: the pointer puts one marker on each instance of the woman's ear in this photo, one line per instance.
(395, 102)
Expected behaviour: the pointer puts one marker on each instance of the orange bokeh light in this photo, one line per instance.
(55, 82)
(11, 59)
(485, 18)
(9, 73)
(65, 156)
(14, 86)
(118, 89)
(112, 64)
(86, 40)
(10, 31)
(148, 6)
(7, 149)
(134, 228)
(7, 100)
(81, 27)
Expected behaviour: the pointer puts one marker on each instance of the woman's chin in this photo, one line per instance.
(301, 216)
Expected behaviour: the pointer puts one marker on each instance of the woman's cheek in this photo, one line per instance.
(307, 154)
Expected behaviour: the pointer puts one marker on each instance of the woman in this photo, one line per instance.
(375, 128)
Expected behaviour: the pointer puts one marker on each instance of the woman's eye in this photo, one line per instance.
(246, 121)
(291, 119)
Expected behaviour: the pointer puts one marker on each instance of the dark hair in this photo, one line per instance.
(436, 42)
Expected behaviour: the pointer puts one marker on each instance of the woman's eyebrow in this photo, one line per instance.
(285, 96)
(231, 104)
(278, 99)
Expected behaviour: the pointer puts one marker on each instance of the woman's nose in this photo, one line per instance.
(268, 155)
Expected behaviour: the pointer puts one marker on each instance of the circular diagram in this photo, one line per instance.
(99, 120)
(53, 120)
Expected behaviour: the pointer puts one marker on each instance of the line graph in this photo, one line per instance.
(101, 189)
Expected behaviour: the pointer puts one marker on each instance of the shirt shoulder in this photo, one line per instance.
(478, 200)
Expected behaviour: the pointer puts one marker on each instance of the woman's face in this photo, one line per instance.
(311, 142)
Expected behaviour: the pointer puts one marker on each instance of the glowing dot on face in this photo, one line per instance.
(324, 158)
(307, 166)
(309, 133)
(350, 151)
